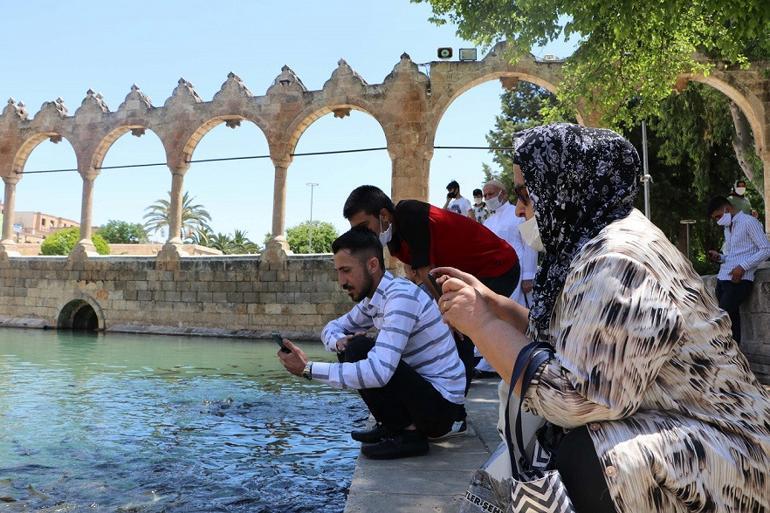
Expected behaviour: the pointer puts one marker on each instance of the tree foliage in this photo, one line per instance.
(627, 50)
(311, 237)
(63, 241)
(194, 216)
(236, 244)
(123, 232)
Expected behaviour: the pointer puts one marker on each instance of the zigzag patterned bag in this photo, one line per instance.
(528, 487)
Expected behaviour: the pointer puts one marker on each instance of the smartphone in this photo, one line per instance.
(278, 339)
(435, 284)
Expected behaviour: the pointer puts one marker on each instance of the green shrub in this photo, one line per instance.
(62, 242)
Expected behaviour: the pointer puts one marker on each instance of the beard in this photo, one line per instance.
(366, 289)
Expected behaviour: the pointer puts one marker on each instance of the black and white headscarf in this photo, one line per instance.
(580, 180)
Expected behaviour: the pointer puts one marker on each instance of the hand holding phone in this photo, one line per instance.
(435, 285)
(278, 339)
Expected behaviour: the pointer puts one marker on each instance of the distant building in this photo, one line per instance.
(36, 226)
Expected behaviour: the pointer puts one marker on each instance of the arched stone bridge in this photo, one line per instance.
(408, 105)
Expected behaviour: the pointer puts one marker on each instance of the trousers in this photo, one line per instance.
(407, 398)
(730, 296)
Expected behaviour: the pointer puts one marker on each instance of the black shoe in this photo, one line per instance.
(402, 445)
(482, 374)
(370, 436)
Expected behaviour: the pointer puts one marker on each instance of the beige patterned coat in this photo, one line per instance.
(645, 357)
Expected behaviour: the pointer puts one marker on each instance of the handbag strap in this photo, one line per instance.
(529, 360)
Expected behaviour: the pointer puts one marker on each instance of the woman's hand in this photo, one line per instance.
(444, 273)
(463, 307)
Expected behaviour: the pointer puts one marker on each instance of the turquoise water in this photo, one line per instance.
(126, 423)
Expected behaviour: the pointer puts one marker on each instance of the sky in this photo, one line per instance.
(61, 49)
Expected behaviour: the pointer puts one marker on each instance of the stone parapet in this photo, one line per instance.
(238, 296)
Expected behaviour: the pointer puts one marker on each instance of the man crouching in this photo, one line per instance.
(410, 377)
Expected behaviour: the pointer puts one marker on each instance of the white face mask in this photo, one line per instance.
(386, 235)
(494, 203)
(530, 234)
(740, 191)
(725, 220)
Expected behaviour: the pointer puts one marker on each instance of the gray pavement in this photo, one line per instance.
(435, 482)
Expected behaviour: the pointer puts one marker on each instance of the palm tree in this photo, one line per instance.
(201, 236)
(243, 245)
(222, 242)
(194, 217)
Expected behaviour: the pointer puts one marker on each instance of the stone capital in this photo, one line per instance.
(12, 178)
(179, 168)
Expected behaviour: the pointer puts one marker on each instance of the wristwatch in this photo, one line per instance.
(307, 372)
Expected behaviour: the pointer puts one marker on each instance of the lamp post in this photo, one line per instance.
(687, 223)
(310, 226)
(646, 178)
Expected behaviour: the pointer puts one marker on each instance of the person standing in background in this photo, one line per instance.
(479, 212)
(455, 202)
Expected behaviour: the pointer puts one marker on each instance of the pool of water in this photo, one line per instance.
(129, 423)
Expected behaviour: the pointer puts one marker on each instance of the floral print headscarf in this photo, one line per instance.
(580, 180)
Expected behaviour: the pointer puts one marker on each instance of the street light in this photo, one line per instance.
(646, 178)
(310, 226)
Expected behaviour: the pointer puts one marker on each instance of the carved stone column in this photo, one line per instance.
(173, 248)
(8, 245)
(410, 172)
(85, 246)
(277, 249)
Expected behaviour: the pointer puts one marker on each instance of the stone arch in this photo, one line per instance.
(488, 76)
(82, 313)
(309, 116)
(741, 100)
(197, 135)
(106, 142)
(29, 145)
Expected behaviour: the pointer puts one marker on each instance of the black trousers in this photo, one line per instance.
(581, 471)
(406, 399)
(504, 285)
(730, 296)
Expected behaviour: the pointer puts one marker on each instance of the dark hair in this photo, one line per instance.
(477, 192)
(361, 242)
(453, 185)
(366, 198)
(715, 204)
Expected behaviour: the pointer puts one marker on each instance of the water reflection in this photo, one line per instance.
(133, 423)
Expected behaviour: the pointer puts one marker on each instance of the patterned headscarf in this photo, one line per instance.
(580, 180)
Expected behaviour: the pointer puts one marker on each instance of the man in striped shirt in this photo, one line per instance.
(410, 377)
(746, 246)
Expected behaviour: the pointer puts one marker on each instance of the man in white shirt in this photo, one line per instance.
(411, 376)
(456, 202)
(746, 246)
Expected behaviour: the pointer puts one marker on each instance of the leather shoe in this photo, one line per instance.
(401, 445)
(370, 436)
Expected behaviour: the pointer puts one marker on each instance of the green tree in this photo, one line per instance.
(201, 236)
(222, 242)
(626, 50)
(243, 245)
(521, 107)
(194, 216)
(319, 234)
(123, 232)
(63, 241)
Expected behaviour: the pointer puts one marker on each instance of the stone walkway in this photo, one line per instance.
(436, 482)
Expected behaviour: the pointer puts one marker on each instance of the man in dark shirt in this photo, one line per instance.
(424, 237)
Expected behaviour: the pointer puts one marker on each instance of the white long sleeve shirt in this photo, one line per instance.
(746, 245)
(505, 224)
(410, 329)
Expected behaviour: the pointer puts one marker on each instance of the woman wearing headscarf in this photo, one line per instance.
(660, 408)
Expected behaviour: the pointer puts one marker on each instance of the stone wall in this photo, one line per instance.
(755, 323)
(230, 296)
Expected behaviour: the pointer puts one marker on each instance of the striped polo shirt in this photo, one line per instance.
(746, 245)
(410, 329)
